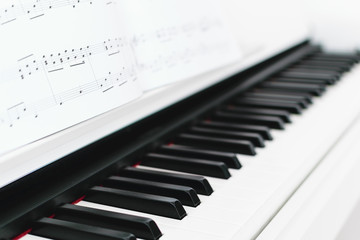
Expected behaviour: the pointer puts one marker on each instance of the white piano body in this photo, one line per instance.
(303, 185)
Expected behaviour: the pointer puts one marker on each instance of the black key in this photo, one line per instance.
(301, 80)
(341, 66)
(186, 195)
(314, 89)
(300, 103)
(189, 165)
(307, 96)
(322, 67)
(59, 229)
(198, 183)
(313, 70)
(262, 130)
(290, 107)
(142, 202)
(337, 56)
(216, 143)
(328, 78)
(284, 115)
(275, 95)
(269, 121)
(229, 159)
(254, 138)
(141, 227)
(345, 60)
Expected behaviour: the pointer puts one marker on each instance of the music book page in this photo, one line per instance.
(65, 61)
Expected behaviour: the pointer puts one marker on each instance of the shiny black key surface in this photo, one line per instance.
(284, 115)
(216, 143)
(262, 130)
(254, 138)
(290, 107)
(322, 67)
(314, 89)
(186, 195)
(64, 230)
(326, 77)
(302, 104)
(142, 202)
(302, 80)
(269, 121)
(305, 95)
(198, 183)
(276, 95)
(189, 165)
(230, 159)
(141, 227)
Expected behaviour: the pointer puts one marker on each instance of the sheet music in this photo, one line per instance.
(65, 61)
(62, 62)
(174, 40)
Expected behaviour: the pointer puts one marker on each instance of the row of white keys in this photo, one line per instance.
(236, 200)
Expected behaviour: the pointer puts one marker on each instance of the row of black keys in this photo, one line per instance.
(207, 148)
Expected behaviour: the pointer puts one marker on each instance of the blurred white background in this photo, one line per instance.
(334, 23)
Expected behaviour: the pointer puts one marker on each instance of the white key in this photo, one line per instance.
(212, 229)
(33, 237)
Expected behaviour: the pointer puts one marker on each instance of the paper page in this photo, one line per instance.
(177, 39)
(61, 62)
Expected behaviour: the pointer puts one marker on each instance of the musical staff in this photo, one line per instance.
(78, 62)
(35, 8)
(183, 44)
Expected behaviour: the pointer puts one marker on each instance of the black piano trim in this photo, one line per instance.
(34, 196)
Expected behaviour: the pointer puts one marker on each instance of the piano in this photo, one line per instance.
(265, 148)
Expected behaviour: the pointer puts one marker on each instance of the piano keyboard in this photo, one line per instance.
(225, 175)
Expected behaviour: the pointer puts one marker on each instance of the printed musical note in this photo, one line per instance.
(28, 65)
(16, 112)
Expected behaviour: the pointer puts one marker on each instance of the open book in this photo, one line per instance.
(65, 61)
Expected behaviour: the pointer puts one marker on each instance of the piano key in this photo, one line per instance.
(33, 237)
(284, 115)
(346, 59)
(173, 229)
(190, 165)
(322, 67)
(186, 195)
(141, 227)
(307, 96)
(59, 229)
(331, 62)
(314, 70)
(314, 89)
(275, 95)
(164, 206)
(230, 159)
(302, 104)
(325, 72)
(213, 181)
(254, 138)
(328, 78)
(301, 80)
(268, 121)
(198, 183)
(262, 130)
(341, 66)
(290, 107)
(216, 143)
